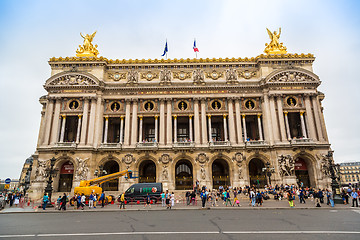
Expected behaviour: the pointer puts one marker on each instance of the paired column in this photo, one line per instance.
(140, 128)
(63, 123)
(310, 118)
(162, 122)
(260, 127)
(134, 123)
(175, 129)
(225, 128)
(156, 128)
(287, 126)
(303, 129)
(48, 117)
(84, 122)
(315, 104)
(56, 122)
(267, 120)
(99, 121)
(274, 121)
(127, 123)
(203, 122)
(231, 122)
(106, 129)
(90, 139)
(121, 129)
(78, 129)
(238, 121)
(168, 122)
(244, 126)
(190, 128)
(281, 118)
(209, 125)
(196, 121)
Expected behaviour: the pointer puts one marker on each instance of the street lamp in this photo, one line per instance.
(334, 175)
(268, 170)
(51, 172)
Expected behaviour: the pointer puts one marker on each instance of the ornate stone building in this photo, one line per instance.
(176, 121)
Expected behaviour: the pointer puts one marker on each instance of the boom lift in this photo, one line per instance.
(86, 187)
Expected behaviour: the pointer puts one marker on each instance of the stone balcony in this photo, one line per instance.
(107, 146)
(219, 144)
(255, 143)
(184, 145)
(147, 145)
(66, 145)
(301, 141)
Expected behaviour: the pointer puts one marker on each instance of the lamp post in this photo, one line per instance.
(51, 172)
(334, 172)
(268, 170)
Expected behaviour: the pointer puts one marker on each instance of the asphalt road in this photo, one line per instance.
(190, 224)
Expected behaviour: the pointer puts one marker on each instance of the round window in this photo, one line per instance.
(249, 104)
(216, 105)
(73, 105)
(291, 101)
(149, 106)
(182, 106)
(115, 106)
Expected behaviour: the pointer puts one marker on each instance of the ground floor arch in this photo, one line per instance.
(111, 166)
(220, 173)
(184, 175)
(66, 177)
(304, 172)
(256, 175)
(147, 172)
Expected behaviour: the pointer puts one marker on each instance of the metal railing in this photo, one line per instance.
(111, 145)
(219, 143)
(184, 144)
(255, 143)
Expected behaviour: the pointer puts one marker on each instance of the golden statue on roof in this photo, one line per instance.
(274, 47)
(87, 49)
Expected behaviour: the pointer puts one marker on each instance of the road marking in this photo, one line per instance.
(170, 233)
(333, 211)
(357, 211)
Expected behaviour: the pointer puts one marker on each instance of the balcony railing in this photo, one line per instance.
(111, 145)
(301, 141)
(147, 145)
(66, 145)
(184, 145)
(255, 143)
(214, 144)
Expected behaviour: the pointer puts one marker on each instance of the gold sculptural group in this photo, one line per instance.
(89, 50)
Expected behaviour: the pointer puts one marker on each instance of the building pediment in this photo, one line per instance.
(71, 79)
(294, 75)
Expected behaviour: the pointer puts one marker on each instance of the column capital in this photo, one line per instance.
(122, 117)
(307, 95)
(106, 118)
(203, 99)
(209, 116)
(224, 115)
(127, 101)
(196, 99)
(272, 95)
(190, 116)
(237, 99)
(302, 112)
(156, 116)
(286, 113)
(135, 100)
(243, 115)
(175, 116)
(63, 116)
(259, 115)
(162, 100)
(140, 117)
(80, 115)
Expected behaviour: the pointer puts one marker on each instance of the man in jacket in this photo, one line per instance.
(203, 196)
(122, 200)
(354, 197)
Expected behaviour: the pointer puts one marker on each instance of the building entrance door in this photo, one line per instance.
(147, 172)
(257, 177)
(301, 173)
(66, 177)
(183, 175)
(220, 174)
(111, 167)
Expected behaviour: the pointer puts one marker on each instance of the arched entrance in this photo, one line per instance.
(220, 173)
(147, 172)
(302, 173)
(66, 177)
(111, 167)
(183, 175)
(257, 177)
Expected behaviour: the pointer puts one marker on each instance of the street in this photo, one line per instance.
(179, 224)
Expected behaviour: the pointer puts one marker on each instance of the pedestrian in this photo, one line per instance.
(11, 199)
(330, 197)
(214, 197)
(343, 193)
(58, 202)
(63, 202)
(78, 201)
(147, 201)
(122, 200)
(167, 199)
(91, 200)
(16, 199)
(45, 200)
(301, 196)
(102, 199)
(187, 195)
(95, 199)
(317, 198)
(172, 199)
(193, 198)
(236, 201)
(259, 198)
(252, 197)
(354, 196)
(203, 197)
(163, 204)
(228, 199)
(290, 198)
(82, 201)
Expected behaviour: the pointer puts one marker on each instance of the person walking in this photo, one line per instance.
(330, 197)
(203, 197)
(228, 199)
(236, 201)
(163, 204)
(147, 201)
(354, 196)
(167, 199)
(63, 202)
(290, 198)
(122, 200)
(259, 199)
(301, 196)
(91, 200)
(102, 199)
(252, 197)
(193, 198)
(45, 200)
(172, 199)
(187, 195)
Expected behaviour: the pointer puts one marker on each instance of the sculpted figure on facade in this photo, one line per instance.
(231, 76)
(275, 46)
(239, 165)
(82, 169)
(324, 164)
(72, 80)
(238, 157)
(128, 159)
(286, 165)
(202, 158)
(132, 77)
(291, 76)
(165, 173)
(87, 49)
(198, 76)
(165, 158)
(202, 172)
(165, 77)
(41, 170)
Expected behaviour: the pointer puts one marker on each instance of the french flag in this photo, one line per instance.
(195, 48)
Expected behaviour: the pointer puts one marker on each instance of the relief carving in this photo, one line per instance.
(40, 173)
(165, 77)
(202, 158)
(231, 76)
(165, 158)
(287, 165)
(133, 77)
(128, 159)
(82, 169)
(198, 76)
(72, 80)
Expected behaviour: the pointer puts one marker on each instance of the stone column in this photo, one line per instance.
(41, 130)
(48, 117)
(238, 121)
(84, 122)
(244, 126)
(190, 129)
(203, 122)
(91, 133)
(209, 129)
(134, 123)
(168, 122)
(175, 129)
(275, 126)
(141, 128)
(162, 122)
(106, 129)
(55, 124)
(287, 126)
(156, 128)
(225, 128)
(231, 122)
(267, 120)
(196, 122)
(281, 118)
(99, 121)
(78, 129)
(260, 127)
(121, 129)
(317, 118)
(127, 123)
(63, 122)
(303, 129)
(310, 118)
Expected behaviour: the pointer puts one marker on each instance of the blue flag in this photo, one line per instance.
(166, 49)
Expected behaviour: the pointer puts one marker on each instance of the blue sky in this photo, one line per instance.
(34, 31)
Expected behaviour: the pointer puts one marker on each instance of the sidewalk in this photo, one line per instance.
(268, 204)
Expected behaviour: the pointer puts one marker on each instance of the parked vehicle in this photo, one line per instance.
(139, 191)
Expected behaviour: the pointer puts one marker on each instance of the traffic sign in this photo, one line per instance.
(7, 186)
(7, 181)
